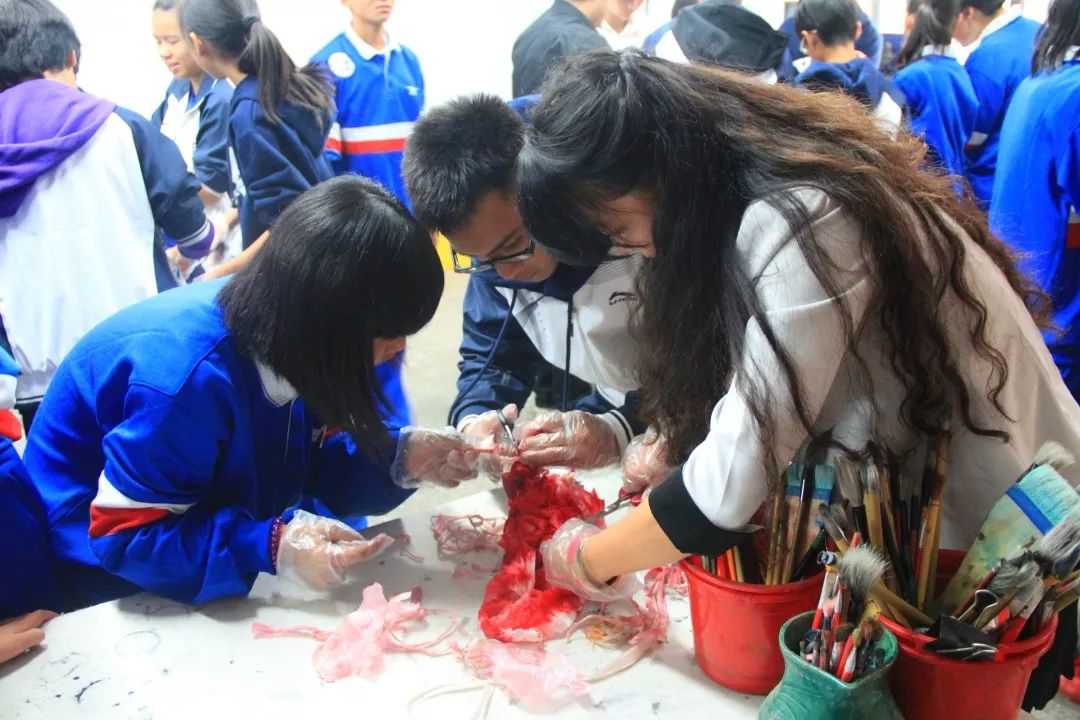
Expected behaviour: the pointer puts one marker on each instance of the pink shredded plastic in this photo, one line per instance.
(403, 542)
(537, 679)
(460, 534)
(359, 643)
(641, 631)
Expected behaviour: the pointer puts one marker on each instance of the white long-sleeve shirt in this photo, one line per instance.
(724, 479)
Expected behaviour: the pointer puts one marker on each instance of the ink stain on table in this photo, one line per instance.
(656, 708)
(79, 695)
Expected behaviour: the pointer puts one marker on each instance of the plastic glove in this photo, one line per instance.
(316, 551)
(444, 457)
(645, 463)
(573, 439)
(484, 431)
(563, 567)
(24, 632)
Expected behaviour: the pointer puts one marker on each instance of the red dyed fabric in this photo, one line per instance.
(518, 605)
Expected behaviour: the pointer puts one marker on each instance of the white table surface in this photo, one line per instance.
(147, 657)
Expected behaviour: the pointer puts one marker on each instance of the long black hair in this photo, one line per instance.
(35, 37)
(1060, 33)
(235, 29)
(344, 264)
(934, 20)
(705, 144)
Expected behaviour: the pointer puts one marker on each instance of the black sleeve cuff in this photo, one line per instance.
(684, 523)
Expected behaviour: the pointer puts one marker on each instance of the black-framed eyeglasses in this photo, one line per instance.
(469, 264)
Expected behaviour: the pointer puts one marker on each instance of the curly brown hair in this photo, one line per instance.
(707, 143)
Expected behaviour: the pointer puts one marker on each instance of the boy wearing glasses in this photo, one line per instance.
(522, 307)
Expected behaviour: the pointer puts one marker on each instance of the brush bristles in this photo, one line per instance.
(1009, 576)
(871, 479)
(847, 476)
(1054, 455)
(1049, 492)
(831, 526)
(860, 568)
(1060, 542)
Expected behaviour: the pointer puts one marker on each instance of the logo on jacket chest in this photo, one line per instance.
(341, 65)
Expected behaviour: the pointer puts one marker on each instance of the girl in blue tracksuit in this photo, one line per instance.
(1003, 42)
(1037, 187)
(181, 435)
(279, 117)
(941, 99)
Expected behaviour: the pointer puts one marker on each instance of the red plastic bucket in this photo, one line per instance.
(928, 686)
(736, 626)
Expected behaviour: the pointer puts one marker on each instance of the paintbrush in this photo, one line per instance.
(847, 478)
(872, 500)
(929, 551)
(878, 591)
(827, 589)
(840, 638)
(824, 482)
(778, 527)
(796, 482)
(1039, 500)
(859, 569)
(905, 536)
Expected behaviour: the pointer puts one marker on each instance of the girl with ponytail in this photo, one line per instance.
(940, 95)
(280, 114)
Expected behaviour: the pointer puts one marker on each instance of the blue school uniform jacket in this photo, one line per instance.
(277, 161)
(996, 67)
(861, 79)
(1036, 196)
(870, 43)
(162, 455)
(379, 96)
(942, 106)
(85, 187)
(198, 122)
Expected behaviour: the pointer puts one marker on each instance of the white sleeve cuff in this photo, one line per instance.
(620, 428)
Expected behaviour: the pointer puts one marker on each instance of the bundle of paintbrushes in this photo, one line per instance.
(1017, 596)
(738, 564)
(795, 534)
(843, 636)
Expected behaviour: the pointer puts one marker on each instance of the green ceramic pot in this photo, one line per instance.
(809, 693)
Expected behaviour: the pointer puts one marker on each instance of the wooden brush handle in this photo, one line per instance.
(933, 514)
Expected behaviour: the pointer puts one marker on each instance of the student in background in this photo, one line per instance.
(522, 308)
(279, 117)
(723, 34)
(567, 28)
(195, 116)
(940, 97)
(829, 29)
(182, 434)
(379, 95)
(870, 43)
(1037, 184)
(85, 186)
(621, 28)
(1001, 43)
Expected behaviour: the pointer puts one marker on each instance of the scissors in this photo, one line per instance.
(507, 429)
(625, 498)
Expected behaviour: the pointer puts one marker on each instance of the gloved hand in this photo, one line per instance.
(484, 431)
(316, 551)
(572, 439)
(22, 633)
(444, 457)
(563, 567)
(645, 463)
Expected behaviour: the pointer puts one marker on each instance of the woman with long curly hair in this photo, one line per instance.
(803, 274)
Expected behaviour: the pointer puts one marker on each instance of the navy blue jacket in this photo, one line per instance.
(278, 161)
